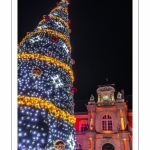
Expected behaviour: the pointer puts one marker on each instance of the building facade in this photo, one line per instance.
(107, 124)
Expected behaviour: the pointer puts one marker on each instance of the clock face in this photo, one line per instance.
(105, 97)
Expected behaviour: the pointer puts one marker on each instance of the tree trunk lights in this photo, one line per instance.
(121, 120)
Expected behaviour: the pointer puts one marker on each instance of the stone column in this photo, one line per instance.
(124, 139)
(90, 140)
(118, 119)
(99, 99)
(124, 116)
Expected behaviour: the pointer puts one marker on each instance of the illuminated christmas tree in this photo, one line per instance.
(45, 84)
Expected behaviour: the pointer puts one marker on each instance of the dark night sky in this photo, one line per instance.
(101, 40)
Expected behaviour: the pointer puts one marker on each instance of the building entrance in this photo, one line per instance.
(108, 146)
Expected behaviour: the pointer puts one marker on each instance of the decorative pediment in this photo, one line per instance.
(105, 95)
(106, 103)
(105, 88)
(92, 98)
(91, 102)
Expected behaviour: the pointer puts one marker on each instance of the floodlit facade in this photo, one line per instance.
(107, 124)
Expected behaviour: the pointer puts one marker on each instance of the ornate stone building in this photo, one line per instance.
(107, 124)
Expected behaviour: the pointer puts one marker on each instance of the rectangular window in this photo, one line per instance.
(107, 122)
(109, 125)
(104, 125)
(83, 127)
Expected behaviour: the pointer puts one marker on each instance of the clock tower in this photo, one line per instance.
(107, 120)
(105, 95)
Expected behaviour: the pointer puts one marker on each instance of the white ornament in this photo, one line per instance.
(41, 27)
(54, 13)
(57, 81)
(65, 47)
(71, 142)
(35, 39)
(59, 24)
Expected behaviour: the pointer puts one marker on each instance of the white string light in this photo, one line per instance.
(36, 127)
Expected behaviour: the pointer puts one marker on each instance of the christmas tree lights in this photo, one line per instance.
(45, 82)
(32, 38)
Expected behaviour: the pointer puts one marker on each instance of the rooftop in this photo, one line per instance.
(80, 105)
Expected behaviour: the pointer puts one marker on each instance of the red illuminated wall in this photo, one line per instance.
(77, 124)
(78, 119)
(129, 117)
(85, 117)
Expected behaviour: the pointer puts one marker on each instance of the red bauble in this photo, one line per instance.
(36, 71)
(73, 89)
(28, 33)
(68, 1)
(46, 17)
(57, 3)
(72, 61)
(69, 30)
(69, 21)
(59, 144)
(53, 38)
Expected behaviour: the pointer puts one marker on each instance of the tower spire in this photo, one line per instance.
(106, 79)
(65, 1)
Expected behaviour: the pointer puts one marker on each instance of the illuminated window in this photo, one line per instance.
(83, 125)
(78, 146)
(107, 122)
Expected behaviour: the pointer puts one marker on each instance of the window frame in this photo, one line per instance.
(107, 122)
(83, 125)
(78, 146)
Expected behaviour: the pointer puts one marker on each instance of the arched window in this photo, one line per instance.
(107, 122)
(78, 146)
(83, 125)
(108, 146)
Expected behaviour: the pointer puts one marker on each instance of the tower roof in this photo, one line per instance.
(105, 88)
(113, 85)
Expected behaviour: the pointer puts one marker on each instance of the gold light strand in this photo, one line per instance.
(41, 21)
(122, 120)
(49, 60)
(60, 8)
(58, 18)
(91, 121)
(60, 35)
(90, 143)
(125, 144)
(41, 103)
